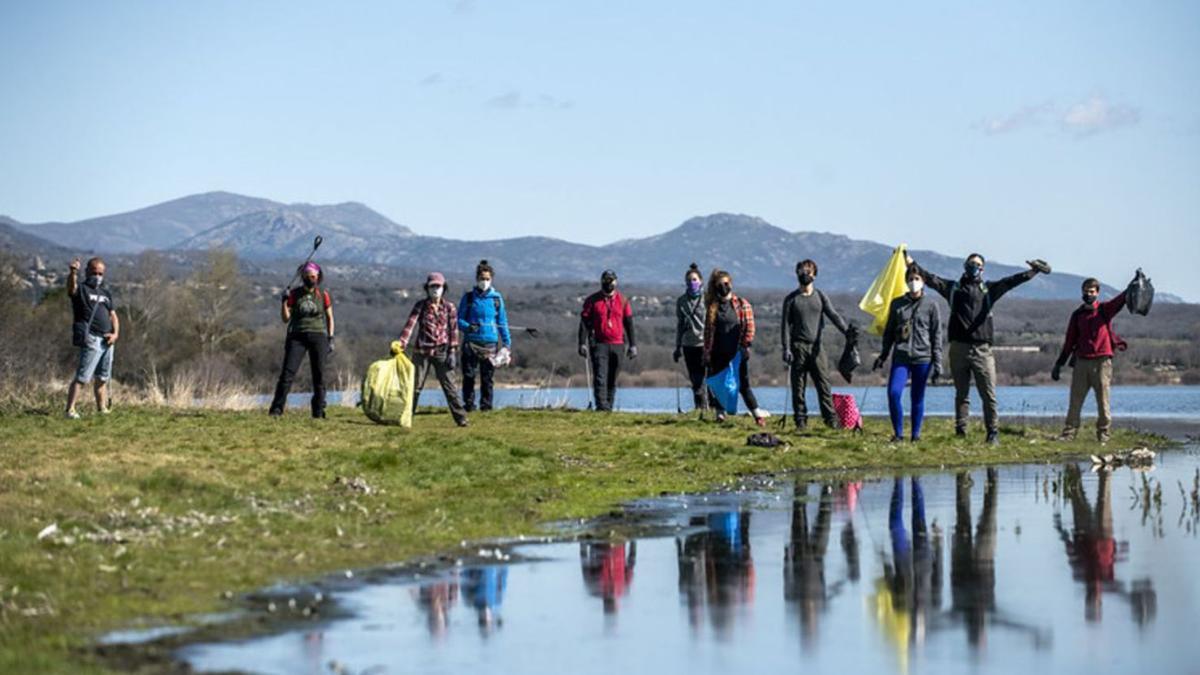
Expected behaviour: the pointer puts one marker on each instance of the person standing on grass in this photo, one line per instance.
(308, 313)
(914, 330)
(971, 335)
(1090, 343)
(689, 334)
(728, 332)
(436, 345)
(605, 325)
(483, 320)
(96, 330)
(804, 313)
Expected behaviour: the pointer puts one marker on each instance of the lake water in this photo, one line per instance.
(1158, 402)
(1033, 568)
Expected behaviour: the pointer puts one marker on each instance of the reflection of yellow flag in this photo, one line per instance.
(888, 286)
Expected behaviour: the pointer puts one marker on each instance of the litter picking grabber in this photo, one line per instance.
(316, 244)
(533, 332)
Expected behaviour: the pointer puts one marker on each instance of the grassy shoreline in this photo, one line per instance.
(163, 513)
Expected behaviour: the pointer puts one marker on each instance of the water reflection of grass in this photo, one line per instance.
(160, 513)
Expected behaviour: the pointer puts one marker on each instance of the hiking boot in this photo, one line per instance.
(71, 415)
(960, 432)
(993, 438)
(1103, 438)
(721, 417)
(275, 413)
(1066, 436)
(896, 439)
(801, 423)
(463, 422)
(320, 415)
(916, 439)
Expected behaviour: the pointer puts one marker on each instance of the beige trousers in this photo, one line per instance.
(1090, 375)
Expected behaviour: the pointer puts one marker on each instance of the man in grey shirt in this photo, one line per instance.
(804, 313)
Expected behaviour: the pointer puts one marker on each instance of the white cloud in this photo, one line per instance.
(1095, 115)
(515, 99)
(1098, 114)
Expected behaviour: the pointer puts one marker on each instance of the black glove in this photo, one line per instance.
(1056, 372)
(879, 361)
(583, 351)
(852, 332)
(936, 372)
(631, 351)
(746, 354)
(287, 293)
(677, 354)
(452, 360)
(330, 350)
(473, 328)
(787, 356)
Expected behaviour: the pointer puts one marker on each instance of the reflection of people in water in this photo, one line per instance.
(483, 589)
(972, 566)
(716, 568)
(915, 575)
(435, 600)
(608, 570)
(804, 559)
(1093, 552)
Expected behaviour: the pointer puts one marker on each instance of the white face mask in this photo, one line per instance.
(915, 286)
(435, 292)
(484, 284)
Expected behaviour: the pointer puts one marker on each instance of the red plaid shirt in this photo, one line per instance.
(745, 315)
(439, 326)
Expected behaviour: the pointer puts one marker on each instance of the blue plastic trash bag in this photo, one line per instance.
(724, 385)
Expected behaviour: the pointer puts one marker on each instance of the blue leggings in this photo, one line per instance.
(896, 382)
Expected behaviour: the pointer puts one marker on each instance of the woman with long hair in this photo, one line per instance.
(728, 331)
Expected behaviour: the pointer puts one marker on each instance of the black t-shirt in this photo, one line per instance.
(727, 336)
(85, 299)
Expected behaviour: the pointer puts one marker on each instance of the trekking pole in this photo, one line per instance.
(316, 244)
(787, 402)
(678, 405)
(587, 364)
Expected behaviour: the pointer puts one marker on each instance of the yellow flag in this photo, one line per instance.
(888, 286)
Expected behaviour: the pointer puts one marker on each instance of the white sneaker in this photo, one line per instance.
(71, 415)
(106, 411)
(761, 413)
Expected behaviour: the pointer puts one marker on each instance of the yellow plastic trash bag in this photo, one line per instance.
(387, 389)
(888, 286)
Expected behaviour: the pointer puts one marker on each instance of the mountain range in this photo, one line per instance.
(757, 253)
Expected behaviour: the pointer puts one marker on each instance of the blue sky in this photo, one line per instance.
(1067, 130)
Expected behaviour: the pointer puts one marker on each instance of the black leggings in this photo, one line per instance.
(693, 358)
(316, 345)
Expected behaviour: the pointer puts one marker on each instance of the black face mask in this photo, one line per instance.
(608, 286)
(805, 278)
(309, 283)
(726, 290)
(973, 271)
(1089, 299)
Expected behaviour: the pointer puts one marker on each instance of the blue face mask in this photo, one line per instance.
(973, 271)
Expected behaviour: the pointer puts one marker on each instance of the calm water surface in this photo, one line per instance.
(1175, 402)
(1051, 569)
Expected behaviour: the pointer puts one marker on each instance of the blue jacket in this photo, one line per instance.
(487, 312)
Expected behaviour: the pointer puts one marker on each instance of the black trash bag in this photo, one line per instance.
(1139, 296)
(765, 440)
(850, 358)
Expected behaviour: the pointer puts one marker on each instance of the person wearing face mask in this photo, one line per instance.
(914, 331)
(605, 326)
(689, 333)
(483, 319)
(970, 330)
(1090, 343)
(804, 313)
(96, 329)
(308, 313)
(728, 331)
(435, 321)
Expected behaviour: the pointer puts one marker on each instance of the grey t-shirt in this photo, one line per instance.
(689, 321)
(804, 317)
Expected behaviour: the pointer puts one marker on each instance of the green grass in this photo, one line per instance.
(195, 504)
